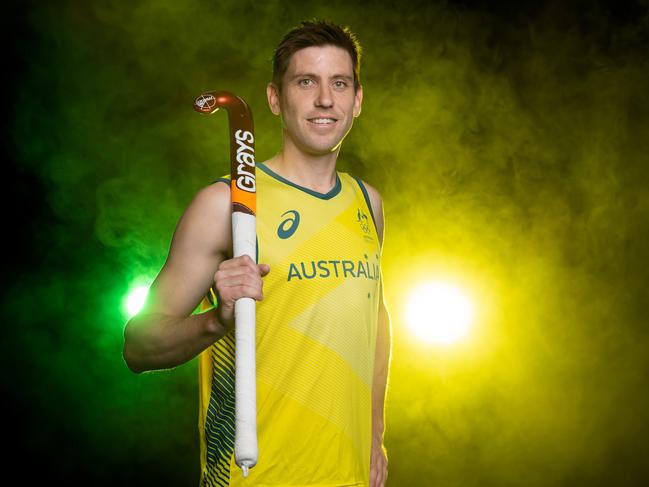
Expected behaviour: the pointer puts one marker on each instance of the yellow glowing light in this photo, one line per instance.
(439, 313)
(135, 300)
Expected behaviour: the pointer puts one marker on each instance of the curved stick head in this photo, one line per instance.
(206, 103)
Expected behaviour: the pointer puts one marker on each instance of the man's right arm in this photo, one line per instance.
(165, 333)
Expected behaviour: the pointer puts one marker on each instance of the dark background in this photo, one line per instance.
(509, 142)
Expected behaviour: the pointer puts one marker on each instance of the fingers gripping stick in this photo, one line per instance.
(243, 196)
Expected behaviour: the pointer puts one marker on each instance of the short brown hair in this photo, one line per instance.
(316, 33)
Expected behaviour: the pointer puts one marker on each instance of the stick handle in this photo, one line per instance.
(245, 439)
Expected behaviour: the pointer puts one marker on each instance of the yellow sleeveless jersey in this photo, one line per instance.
(316, 336)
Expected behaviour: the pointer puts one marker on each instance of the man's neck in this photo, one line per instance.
(314, 172)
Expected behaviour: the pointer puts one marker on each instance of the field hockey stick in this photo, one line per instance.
(244, 242)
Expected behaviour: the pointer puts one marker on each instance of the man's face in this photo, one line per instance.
(318, 102)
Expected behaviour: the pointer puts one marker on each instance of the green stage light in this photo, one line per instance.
(136, 299)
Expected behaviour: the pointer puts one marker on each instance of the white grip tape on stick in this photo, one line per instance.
(245, 441)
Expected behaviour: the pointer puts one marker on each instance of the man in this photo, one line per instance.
(323, 332)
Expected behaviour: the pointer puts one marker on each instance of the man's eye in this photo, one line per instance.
(340, 84)
(305, 82)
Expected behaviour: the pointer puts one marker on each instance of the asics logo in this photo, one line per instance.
(288, 226)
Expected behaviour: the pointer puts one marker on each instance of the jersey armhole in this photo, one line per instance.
(210, 297)
(222, 180)
(367, 200)
(226, 180)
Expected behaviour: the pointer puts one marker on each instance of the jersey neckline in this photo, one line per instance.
(323, 196)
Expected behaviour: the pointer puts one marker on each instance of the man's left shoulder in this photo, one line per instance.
(374, 201)
(365, 186)
(372, 193)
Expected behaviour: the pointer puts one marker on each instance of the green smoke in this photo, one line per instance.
(510, 146)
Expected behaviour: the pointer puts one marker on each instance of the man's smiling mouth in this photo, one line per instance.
(322, 120)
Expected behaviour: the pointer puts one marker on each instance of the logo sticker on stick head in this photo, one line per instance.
(205, 103)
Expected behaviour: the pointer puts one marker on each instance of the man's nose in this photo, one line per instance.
(325, 98)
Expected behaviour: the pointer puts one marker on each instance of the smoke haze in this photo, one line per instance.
(509, 144)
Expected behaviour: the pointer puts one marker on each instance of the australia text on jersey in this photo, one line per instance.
(334, 268)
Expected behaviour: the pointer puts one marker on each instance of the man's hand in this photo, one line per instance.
(237, 278)
(378, 465)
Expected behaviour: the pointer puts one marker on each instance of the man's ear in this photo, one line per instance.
(358, 101)
(272, 93)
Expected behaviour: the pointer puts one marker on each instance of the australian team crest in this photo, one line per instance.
(363, 221)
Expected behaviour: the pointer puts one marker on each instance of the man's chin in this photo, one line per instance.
(321, 150)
